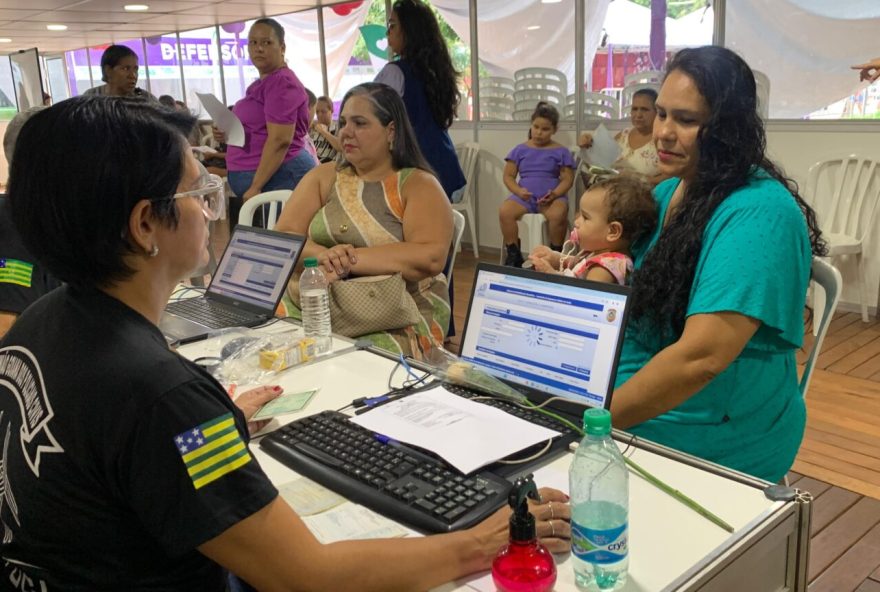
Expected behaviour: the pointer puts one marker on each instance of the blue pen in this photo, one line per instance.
(386, 440)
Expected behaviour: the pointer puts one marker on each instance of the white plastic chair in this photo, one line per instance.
(526, 100)
(828, 278)
(275, 199)
(467, 158)
(597, 106)
(540, 78)
(655, 76)
(458, 222)
(762, 86)
(845, 191)
(629, 91)
(533, 231)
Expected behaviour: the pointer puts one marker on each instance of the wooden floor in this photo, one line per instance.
(839, 460)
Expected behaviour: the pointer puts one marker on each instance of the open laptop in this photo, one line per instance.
(547, 336)
(245, 289)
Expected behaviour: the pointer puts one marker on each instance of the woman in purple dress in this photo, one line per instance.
(546, 172)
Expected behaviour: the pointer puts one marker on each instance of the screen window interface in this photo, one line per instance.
(557, 339)
(252, 265)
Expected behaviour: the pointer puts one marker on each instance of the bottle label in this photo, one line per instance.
(599, 546)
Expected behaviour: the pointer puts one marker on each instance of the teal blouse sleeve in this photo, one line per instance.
(755, 261)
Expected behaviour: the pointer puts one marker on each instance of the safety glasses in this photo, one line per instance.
(210, 195)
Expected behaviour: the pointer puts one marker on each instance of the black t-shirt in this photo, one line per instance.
(22, 279)
(120, 457)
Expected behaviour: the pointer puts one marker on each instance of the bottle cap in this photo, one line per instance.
(311, 262)
(597, 422)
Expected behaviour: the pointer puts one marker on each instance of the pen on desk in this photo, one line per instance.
(386, 440)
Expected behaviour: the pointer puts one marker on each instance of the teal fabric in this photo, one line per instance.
(755, 261)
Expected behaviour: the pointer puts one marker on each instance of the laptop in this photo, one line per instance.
(546, 335)
(245, 289)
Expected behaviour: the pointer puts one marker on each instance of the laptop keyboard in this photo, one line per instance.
(395, 480)
(211, 315)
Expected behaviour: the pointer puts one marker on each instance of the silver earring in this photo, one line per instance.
(154, 251)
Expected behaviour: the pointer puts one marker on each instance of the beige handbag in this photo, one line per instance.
(368, 304)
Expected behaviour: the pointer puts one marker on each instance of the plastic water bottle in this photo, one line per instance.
(315, 303)
(599, 490)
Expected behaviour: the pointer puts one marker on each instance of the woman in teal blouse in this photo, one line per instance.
(708, 364)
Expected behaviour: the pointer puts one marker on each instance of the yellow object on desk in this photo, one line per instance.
(298, 352)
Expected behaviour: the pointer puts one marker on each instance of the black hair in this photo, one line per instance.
(168, 101)
(646, 92)
(426, 50)
(312, 98)
(275, 25)
(112, 55)
(388, 107)
(547, 111)
(630, 202)
(732, 146)
(72, 206)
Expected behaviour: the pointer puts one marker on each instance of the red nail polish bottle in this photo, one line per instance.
(523, 565)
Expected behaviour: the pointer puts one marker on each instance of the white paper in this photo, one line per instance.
(223, 118)
(352, 522)
(307, 497)
(467, 434)
(605, 150)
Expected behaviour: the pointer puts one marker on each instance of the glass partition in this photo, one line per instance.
(163, 66)
(201, 67)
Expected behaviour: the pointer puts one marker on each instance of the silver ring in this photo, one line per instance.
(552, 515)
(552, 530)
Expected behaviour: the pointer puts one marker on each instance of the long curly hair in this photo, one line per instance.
(732, 144)
(425, 48)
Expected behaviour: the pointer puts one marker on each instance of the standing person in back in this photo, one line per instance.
(425, 64)
(275, 116)
(119, 71)
(538, 173)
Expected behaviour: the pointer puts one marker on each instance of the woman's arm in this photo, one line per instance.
(305, 201)
(708, 345)
(427, 237)
(327, 135)
(273, 550)
(274, 150)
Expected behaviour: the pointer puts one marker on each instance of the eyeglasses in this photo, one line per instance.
(210, 194)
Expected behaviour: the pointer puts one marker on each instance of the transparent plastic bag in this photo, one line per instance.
(451, 368)
(248, 356)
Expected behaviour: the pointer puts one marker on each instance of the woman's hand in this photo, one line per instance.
(250, 402)
(552, 524)
(869, 71)
(219, 136)
(338, 259)
(585, 140)
(251, 192)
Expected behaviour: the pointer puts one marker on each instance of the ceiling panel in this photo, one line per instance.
(92, 22)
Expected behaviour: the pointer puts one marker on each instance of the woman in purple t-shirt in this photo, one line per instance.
(275, 115)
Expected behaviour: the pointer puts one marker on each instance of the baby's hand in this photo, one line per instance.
(540, 252)
(541, 264)
(585, 140)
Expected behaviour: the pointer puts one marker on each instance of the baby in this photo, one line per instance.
(614, 213)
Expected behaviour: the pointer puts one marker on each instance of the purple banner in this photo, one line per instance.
(163, 51)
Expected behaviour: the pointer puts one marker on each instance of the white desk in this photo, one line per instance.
(671, 547)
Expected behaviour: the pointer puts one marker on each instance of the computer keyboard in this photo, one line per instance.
(209, 314)
(391, 478)
(535, 417)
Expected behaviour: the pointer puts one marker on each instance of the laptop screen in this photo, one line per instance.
(549, 333)
(255, 266)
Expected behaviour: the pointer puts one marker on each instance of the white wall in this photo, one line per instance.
(793, 144)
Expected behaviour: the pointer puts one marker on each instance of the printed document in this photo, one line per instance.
(467, 434)
(605, 149)
(224, 119)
